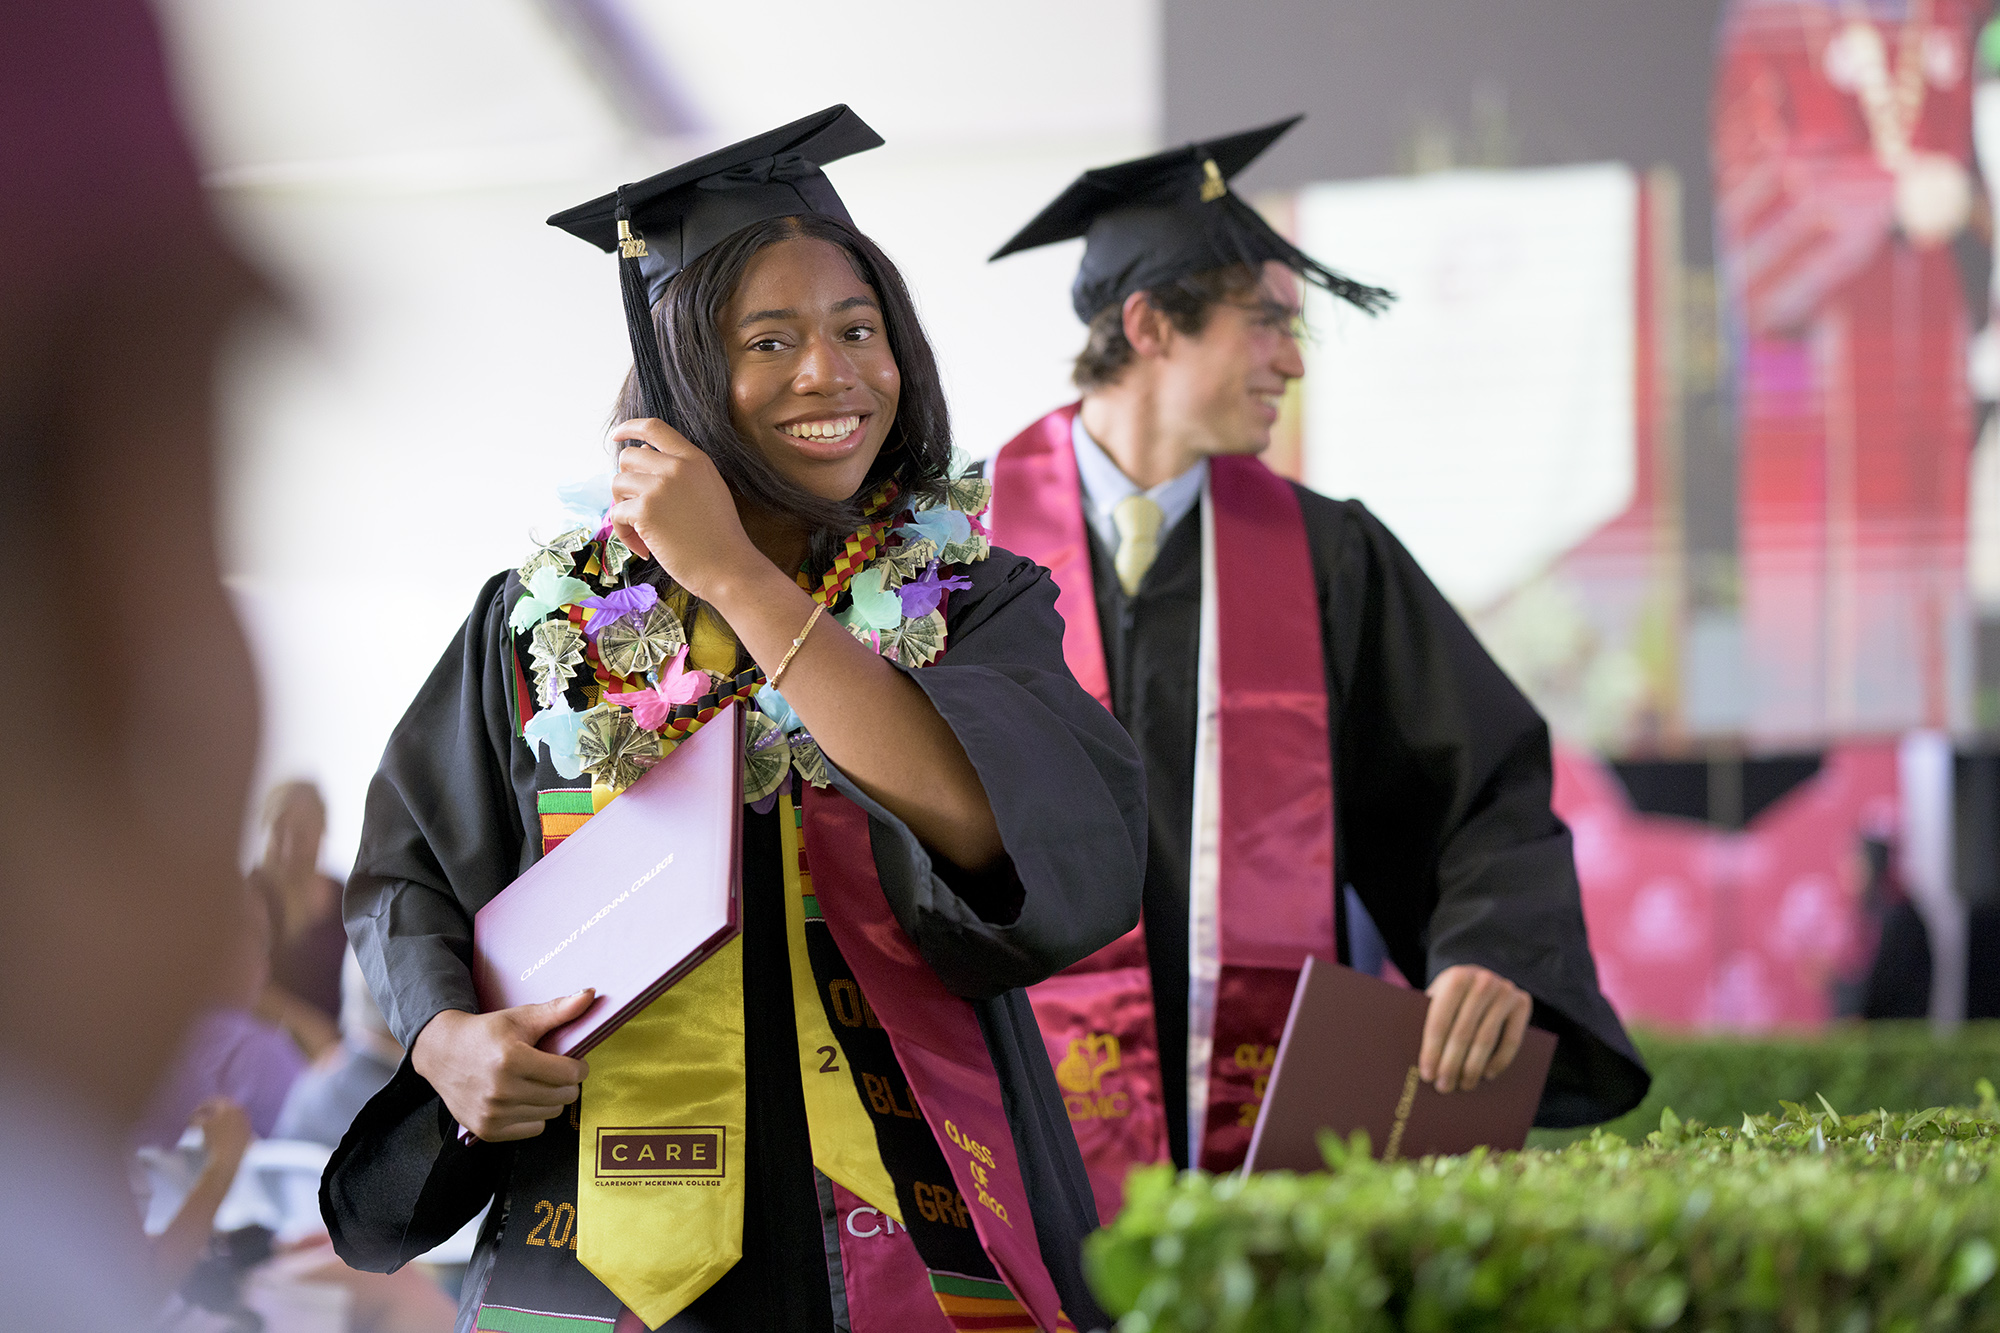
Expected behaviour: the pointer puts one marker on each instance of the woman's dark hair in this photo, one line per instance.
(687, 321)
(1187, 302)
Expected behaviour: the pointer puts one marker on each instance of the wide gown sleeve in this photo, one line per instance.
(1065, 783)
(1443, 777)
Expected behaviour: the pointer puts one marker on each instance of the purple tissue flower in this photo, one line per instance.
(618, 604)
(922, 595)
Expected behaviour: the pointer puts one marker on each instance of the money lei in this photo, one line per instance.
(615, 750)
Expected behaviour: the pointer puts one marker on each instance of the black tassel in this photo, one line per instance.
(646, 358)
(1251, 237)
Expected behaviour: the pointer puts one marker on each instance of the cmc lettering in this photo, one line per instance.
(1105, 1106)
(877, 1223)
(680, 1150)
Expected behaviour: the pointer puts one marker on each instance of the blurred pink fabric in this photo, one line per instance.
(1695, 926)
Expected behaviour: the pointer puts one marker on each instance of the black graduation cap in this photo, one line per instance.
(1164, 217)
(661, 224)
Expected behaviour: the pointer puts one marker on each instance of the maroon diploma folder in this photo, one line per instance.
(1348, 1061)
(631, 902)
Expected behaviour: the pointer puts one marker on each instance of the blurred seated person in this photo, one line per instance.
(233, 1080)
(221, 1283)
(225, 1135)
(229, 1052)
(327, 1096)
(307, 938)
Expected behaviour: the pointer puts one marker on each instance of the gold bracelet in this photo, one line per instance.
(797, 644)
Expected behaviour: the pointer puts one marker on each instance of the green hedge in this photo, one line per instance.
(1716, 1079)
(1803, 1222)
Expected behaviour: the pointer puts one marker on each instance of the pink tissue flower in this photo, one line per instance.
(678, 685)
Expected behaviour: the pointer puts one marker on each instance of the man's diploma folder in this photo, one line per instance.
(631, 902)
(1348, 1061)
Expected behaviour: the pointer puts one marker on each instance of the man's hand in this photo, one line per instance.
(487, 1070)
(1474, 1029)
(674, 506)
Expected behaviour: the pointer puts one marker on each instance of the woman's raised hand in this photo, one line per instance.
(674, 506)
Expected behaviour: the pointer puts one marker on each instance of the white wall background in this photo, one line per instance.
(1488, 416)
(448, 360)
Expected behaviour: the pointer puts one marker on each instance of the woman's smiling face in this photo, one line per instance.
(813, 385)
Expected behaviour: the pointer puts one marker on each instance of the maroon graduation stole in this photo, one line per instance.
(938, 1043)
(1269, 871)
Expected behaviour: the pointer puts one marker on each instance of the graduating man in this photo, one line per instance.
(1268, 648)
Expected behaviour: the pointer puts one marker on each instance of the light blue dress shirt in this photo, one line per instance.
(1104, 486)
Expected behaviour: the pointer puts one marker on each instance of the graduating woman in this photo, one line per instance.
(939, 817)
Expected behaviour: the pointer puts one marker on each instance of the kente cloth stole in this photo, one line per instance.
(1261, 890)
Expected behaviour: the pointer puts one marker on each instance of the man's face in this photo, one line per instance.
(1220, 388)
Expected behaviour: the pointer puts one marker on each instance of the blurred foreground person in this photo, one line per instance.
(130, 723)
(926, 834)
(1311, 711)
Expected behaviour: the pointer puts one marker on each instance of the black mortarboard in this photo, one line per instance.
(1164, 217)
(661, 224)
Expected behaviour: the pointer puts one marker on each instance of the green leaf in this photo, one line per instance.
(1662, 1302)
(1972, 1266)
(1920, 1119)
(1117, 1271)
(1828, 1105)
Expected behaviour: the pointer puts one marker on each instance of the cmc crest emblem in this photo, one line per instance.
(1081, 1073)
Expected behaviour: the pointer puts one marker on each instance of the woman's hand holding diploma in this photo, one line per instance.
(486, 1068)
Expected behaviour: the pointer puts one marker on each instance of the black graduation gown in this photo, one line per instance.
(451, 820)
(1441, 794)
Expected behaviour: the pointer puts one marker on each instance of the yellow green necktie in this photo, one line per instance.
(1138, 519)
